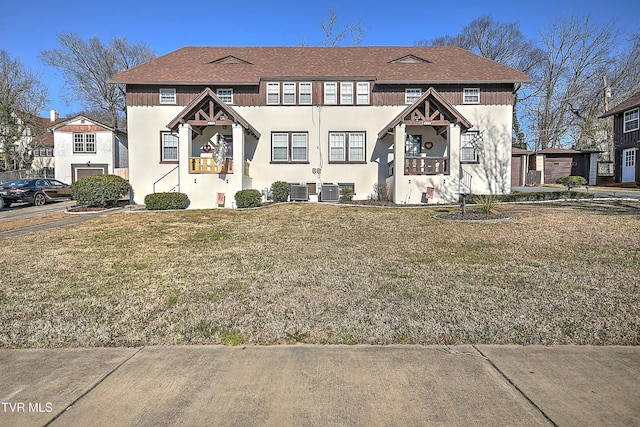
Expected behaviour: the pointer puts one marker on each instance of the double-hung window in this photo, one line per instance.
(273, 93)
(346, 93)
(411, 95)
(468, 152)
(362, 93)
(225, 95)
(305, 93)
(289, 93)
(169, 147)
(290, 147)
(631, 120)
(346, 147)
(168, 96)
(331, 93)
(84, 142)
(471, 96)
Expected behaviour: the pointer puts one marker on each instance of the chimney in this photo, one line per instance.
(53, 115)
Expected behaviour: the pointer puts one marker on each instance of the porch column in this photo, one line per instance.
(184, 151)
(399, 181)
(453, 141)
(235, 179)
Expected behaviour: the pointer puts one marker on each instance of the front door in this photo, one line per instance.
(629, 161)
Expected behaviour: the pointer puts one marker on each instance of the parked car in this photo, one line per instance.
(36, 191)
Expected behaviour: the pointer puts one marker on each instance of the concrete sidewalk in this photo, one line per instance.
(322, 385)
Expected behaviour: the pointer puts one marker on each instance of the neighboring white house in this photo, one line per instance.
(84, 147)
(429, 122)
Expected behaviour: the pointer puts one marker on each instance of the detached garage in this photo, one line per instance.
(553, 163)
(85, 147)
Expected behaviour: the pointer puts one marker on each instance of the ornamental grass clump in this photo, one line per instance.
(102, 191)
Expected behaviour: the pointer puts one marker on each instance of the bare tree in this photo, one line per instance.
(87, 67)
(351, 33)
(22, 96)
(578, 52)
(501, 42)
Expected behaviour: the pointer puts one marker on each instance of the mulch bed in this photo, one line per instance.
(471, 216)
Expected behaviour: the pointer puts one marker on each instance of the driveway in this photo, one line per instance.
(47, 217)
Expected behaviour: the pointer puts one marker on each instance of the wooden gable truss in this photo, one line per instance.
(430, 110)
(208, 110)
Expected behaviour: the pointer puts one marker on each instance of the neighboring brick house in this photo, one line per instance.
(626, 140)
(429, 122)
(85, 147)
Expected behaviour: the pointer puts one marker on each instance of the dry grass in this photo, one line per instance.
(554, 274)
(12, 224)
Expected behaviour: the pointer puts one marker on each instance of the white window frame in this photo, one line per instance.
(465, 146)
(337, 147)
(168, 96)
(225, 95)
(412, 145)
(342, 147)
(352, 146)
(306, 91)
(362, 93)
(273, 88)
(299, 140)
(346, 93)
(412, 94)
(165, 143)
(294, 142)
(631, 120)
(331, 93)
(471, 95)
(289, 93)
(84, 142)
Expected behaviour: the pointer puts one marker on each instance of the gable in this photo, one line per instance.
(208, 110)
(230, 59)
(431, 109)
(409, 59)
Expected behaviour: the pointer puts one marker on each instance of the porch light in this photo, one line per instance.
(416, 117)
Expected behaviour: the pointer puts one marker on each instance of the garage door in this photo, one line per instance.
(516, 171)
(85, 172)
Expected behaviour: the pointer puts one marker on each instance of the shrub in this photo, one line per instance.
(346, 195)
(165, 201)
(280, 191)
(381, 192)
(571, 181)
(248, 198)
(100, 190)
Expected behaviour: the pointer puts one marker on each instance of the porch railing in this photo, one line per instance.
(426, 166)
(209, 165)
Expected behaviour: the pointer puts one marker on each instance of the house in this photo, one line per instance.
(426, 122)
(85, 147)
(34, 149)
(42, 144)
(626, 140)
(553, 163)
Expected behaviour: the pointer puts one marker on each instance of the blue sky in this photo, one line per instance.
(30, 26)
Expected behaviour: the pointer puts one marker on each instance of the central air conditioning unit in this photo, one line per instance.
(299, 193)
(330, 193)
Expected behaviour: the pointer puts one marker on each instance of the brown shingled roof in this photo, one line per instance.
(632, 102)
(250, 65)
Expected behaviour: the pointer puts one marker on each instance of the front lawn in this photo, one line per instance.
(554, 274)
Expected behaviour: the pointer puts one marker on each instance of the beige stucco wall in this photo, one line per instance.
(318, 122)
(492, 174)
(145, 124)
